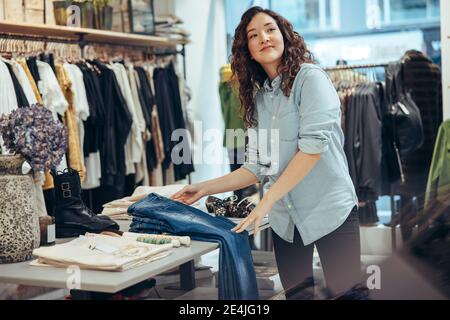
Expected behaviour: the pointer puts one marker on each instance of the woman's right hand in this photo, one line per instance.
(190, 194)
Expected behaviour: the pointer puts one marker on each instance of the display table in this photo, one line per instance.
(102, 281)
(109, 282)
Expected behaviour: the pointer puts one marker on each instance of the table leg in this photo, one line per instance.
(187, 276)
(81, 295)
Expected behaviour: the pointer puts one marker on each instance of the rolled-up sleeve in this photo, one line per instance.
(319, 111)
(251, 162)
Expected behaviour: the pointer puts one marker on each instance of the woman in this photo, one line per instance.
(309, 199)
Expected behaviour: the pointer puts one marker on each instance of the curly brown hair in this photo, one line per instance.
(249, 73)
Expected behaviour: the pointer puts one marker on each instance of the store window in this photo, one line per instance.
(309, 15)
(393, 12)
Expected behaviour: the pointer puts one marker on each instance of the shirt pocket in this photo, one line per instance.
(288, 125)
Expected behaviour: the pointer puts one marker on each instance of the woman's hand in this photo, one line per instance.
(255, 217)
(190, 194)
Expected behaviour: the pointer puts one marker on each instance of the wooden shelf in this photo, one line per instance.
(90, 35)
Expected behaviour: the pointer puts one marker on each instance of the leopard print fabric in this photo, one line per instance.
(19, 224)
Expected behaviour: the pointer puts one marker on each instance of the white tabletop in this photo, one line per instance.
(101, 281)
(104, 281)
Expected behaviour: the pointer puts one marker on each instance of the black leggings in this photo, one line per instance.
(340, 256)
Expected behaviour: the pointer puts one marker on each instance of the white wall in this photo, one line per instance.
(445, 34)
(164, 6)
(205, 20)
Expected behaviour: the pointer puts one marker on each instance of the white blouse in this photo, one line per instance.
(51, 92)
(8, 99)
(24, 82)
(81, 106)
(134, 145)
(52, 96)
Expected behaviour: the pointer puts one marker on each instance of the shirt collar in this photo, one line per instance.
(272, 86)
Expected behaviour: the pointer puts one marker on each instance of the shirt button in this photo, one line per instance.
(274, 117)
(289, 206)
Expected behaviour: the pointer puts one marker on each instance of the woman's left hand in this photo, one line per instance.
(255, 217)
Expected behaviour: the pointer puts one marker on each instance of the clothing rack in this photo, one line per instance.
(82, 43)
(82, 37)
(393, 204)
(360, 66)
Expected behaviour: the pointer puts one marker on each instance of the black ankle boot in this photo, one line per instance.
(72, 216)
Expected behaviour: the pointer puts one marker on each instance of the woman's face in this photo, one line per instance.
(265, 41)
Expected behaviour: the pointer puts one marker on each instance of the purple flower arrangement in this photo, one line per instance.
(36, 135)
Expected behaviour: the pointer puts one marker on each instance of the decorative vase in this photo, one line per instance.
(98, 18)
(59, 11)
(107, 17)
(87, 14)
(19, 224)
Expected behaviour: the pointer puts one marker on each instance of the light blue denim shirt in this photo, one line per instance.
(308, 120)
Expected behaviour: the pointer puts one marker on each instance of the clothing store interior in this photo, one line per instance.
(129, 169)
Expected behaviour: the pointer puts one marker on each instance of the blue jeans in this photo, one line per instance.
(157, 214)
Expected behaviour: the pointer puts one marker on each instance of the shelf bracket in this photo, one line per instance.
(82, 42)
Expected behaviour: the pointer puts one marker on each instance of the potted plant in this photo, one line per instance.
(104, 14)
(29, 134)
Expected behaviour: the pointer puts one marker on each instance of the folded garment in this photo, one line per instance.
(116, 213)
(101, 252)
(118, 209)
(168, 18)
(43, 262)
(177, 241)
(167, 29)
(157, 214)
(121, 203)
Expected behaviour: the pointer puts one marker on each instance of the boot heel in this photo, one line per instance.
(67, 232)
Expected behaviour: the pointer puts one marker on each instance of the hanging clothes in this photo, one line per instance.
(93, 125)
(80, 102)
(118, 121)
(171, 117)
(438, 185)
(7, 93)
(24, 82)
(22, 100)
(155, 146)
(361, 120)
(82, 108)
(230, 105)
(184, 169)
(141, 166)
(53, 99)
(148, 104)
(52, 94)
(422, 79)
(49, 59)
(188, 112)
(74, 155)
(8, 97)
(32, 66)
(22, 62)
(134, 145)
